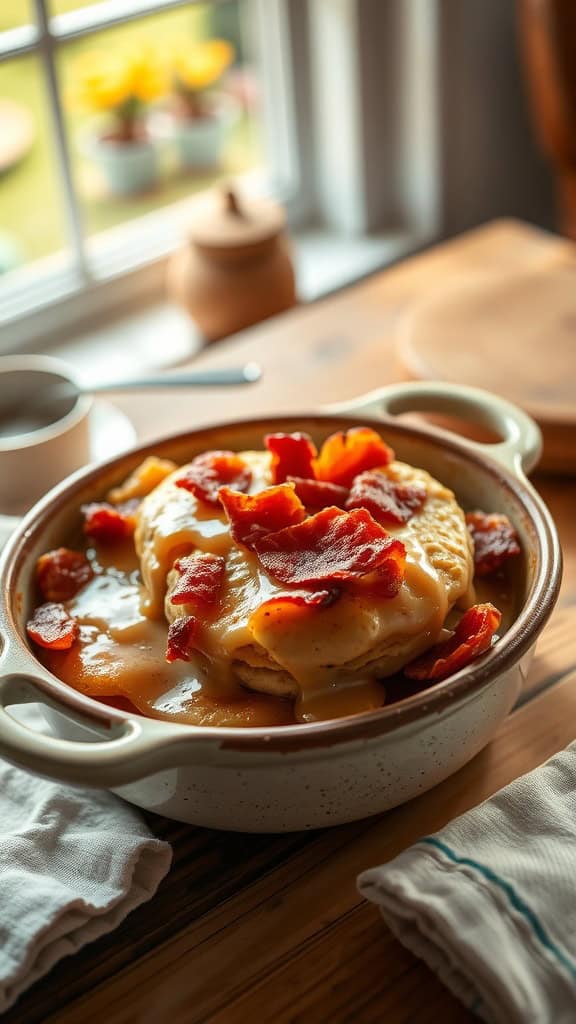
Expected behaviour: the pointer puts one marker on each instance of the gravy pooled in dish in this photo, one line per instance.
(269, 587)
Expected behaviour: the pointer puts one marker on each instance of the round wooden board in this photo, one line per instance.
(513, 334)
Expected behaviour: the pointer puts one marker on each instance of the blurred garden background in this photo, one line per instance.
(32, 221)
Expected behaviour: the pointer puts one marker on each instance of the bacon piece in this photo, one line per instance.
(142, 480)
(388, 578)
(200, 582)
(182, 638)
(331, 545)
(292, 455)
(344, 456)
(207, 473)
(495, 540)
(52, 627)
(305, 598)
(319, 493)
(388, 501)
(60, 574)
(295, 605)
(472, 637)
(253, 516)
(109, 523)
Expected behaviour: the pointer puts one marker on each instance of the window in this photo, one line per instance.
(311, 112)
(65, 187)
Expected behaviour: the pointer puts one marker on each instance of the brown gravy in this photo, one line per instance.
(120, 658)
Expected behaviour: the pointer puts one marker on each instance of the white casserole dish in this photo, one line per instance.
(310, 775)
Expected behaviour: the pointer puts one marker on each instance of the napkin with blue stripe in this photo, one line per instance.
(489, 903)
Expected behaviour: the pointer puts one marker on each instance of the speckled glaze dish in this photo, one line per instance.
(308, 775)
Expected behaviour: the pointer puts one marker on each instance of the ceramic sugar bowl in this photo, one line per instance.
(235, 269)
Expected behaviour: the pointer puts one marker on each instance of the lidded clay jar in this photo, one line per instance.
(236, 268)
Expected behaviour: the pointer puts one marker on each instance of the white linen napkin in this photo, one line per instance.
(73, 864)
(490, 901)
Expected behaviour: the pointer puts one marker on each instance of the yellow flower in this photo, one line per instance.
(108, 81)
(101, 82)
(148, 74)
(200, 65)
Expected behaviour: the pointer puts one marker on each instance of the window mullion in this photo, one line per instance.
(298, 84)
(46, 47)
(15, 42)
(375, 114)
(268, 19)
(336, 93)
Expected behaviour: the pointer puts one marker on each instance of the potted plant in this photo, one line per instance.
(201, 115)
(120, 86)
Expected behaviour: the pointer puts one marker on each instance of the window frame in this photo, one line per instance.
(54, 293)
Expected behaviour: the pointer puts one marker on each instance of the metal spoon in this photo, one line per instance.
(64, 391)
(230, 375)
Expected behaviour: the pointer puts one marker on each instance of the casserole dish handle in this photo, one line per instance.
(521, 444)
(119, 751)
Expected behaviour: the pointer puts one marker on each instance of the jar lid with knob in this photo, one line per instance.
(223, 219)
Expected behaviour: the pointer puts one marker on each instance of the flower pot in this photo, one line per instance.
(200, 140)
(126, 167)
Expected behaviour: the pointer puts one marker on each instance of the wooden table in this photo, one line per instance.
(271, 927)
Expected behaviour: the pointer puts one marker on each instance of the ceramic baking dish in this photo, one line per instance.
(310, 775)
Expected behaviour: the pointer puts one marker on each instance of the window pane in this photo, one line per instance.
(158, 109)
(31, 217)
(14, 13)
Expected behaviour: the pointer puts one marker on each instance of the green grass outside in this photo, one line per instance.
(31, 210)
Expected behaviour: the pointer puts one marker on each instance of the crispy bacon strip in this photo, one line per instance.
(52, 627)
(319, 493)
(293, 606)
(144, 479)
(182, 638)
(472, 637)
(110, 524)
(388, 501)
(387, 579)
(253, 516)
(200, 582)
(304, 598)
(329, 546)
(207, 473)
(344, 456)
(495, 540)
(60, 574)
(292, 455)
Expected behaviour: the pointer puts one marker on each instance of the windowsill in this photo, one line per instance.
(326, 261)
(113, 347)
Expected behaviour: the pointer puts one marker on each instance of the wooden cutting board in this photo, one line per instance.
(514, 334)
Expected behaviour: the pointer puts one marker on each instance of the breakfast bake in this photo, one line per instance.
(267, 587)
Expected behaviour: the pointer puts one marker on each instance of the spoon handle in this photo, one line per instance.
(247, 374)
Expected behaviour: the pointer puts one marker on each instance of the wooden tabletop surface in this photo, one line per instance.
(271, 927)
